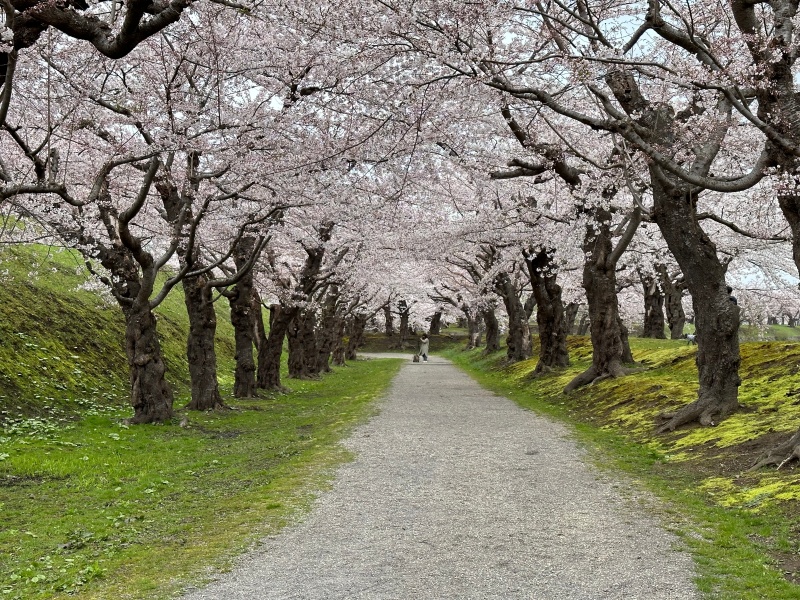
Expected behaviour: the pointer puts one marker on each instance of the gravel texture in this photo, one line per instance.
(459, 493)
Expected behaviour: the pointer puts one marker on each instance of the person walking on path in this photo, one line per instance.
(424, 344)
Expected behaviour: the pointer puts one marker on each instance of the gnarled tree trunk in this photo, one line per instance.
(200, 350)
(302, 360)
(518, 340)
(653, 326)
(269, 355)
(716, 317)
(151, 396)
(570, 313)
(245, 308)
(389, 319)
(355, 338)
(492, 330)
(673, 301)
(550, 313)
(610, 348)
(436, 324)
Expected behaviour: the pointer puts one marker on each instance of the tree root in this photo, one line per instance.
(592, 376)
(780, 455)
(702, 410)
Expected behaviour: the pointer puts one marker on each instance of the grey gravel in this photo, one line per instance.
(459, 493)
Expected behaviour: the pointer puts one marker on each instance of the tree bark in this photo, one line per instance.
(530, 306)
(716, 317)
(518, 340)
(245, 311)
(492, 330)
(355, 336)
(436, 324)
(675, 213)
(151, 396)
(200, 350)
(653, 326)
(673, 301)
(583, 325)
(269, 355)
(405, 312)
(329, 331)
(302, 360)
(570, 313)
(389, 319)
(610, 348)
(550, 316)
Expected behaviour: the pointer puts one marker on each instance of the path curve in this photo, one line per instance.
(457, 493)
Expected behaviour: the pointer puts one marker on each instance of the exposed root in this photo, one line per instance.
(592, 376)
(702, 410)
(780, 455)
(585, 378)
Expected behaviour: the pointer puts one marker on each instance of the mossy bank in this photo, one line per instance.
(93, 508)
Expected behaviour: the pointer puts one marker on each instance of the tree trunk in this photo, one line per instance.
(610, 348)
(583, 325)
(338, 355)
(436, 324)
(570, 313)
(473, 327)
(329, 331)
(716, 317)
(653, 326)
(200, 350)
(389, 318)
(550, 313)
(260, 332)
(244, 328)
(151, 396)
(356, 336)
(518, 340)
(492, 330)
(405, 312)
(302, 361)
(269, 355)
(673, 301)
(245, 308)
(530, 306)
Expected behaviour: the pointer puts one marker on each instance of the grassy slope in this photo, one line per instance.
(96, 509)
(740, 526)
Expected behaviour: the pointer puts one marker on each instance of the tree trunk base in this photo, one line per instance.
(592, 376)
(217, 406)
(705, 411)
(781, 454)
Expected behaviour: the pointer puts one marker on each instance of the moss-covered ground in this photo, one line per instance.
(92, 508)
(742, 526)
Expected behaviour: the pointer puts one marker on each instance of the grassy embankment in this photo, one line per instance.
(742, 527)
(92, 508)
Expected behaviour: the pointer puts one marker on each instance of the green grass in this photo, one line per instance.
(740, 527)
(92, 508)
(105, 510)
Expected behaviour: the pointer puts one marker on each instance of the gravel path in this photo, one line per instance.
(458, 493)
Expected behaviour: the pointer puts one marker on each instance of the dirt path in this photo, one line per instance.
(458, 493)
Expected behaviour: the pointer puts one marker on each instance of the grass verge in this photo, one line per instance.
(741, 530)
(100, 510)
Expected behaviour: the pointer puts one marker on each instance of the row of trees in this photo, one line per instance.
(338, 159)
